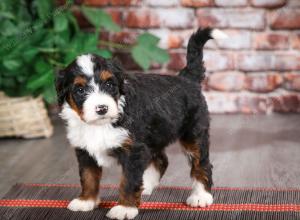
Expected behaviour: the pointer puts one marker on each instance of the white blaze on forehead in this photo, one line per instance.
(86, 64)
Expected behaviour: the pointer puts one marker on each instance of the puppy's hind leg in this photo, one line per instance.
(154, 172)
(201, 169)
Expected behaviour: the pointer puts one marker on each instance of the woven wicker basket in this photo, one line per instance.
(24, 117)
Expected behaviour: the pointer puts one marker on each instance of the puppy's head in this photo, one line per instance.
(92, 87)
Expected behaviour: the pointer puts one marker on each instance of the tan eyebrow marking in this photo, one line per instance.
(105, 75)
(80, 80)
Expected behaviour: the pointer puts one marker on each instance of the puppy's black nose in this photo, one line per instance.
(101, 109)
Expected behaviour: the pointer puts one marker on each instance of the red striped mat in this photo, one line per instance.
(49, 201)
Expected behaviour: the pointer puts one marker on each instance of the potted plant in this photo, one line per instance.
(37, 38)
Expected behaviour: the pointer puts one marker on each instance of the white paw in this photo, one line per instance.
(82, 205)
(121, 212)
(202, 199)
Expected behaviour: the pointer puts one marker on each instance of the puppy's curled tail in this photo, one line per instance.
(195, 69)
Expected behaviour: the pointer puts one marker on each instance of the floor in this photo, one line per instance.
(246, 151)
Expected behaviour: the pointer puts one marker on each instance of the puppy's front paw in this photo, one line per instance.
(82, 205)
(121, 212)
(202, 199)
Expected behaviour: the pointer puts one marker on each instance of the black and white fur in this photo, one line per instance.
(143, 114)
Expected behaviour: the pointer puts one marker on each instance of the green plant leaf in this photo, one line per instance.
(99, 18)
(139, 57)
(44, 8)
(7, 14)
(62, 38)
(146, 50)
(159, 55)
(148, 39)
(12, 64)
(72, 20)
(60, 22)
(8, 28)
(30, 54)
(104, 53)
(90, 42)
(41, 66)
(49, 94)
(40, 80)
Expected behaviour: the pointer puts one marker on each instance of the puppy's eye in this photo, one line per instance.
(109, 84)
(80, 91)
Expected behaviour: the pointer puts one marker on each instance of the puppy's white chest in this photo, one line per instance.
(96, 139)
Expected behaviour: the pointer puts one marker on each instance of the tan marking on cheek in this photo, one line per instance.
(75, 107)
(80, 80)
(105, 75)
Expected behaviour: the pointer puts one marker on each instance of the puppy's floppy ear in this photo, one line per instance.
(118, 70)
(61, 87)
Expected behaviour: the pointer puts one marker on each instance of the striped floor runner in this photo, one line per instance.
(49, 201)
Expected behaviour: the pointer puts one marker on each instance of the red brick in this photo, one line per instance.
(268, 61)
(287, 61)
(142, 18)
(271, 41)
(222, 102)
(218, 61)
(268, 3)
(177, 61)
(99, 3)
(286, 103)
(176, 18)
(83, 23)
(226, 81)
(250, 104)
(263, 82)
(292, 81)
(295, 41)
(174, 41)
(231, 18)
(124, 2)
(124, 37)
(104, 35)
(197, 3)
(255, 62)
(238, 39)
(168, 39)
(285, 19)
(93, 2)
(116, 15)
(160, 3)
(231, 3)
(293, 3)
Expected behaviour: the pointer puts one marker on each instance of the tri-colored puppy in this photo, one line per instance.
(129, 119)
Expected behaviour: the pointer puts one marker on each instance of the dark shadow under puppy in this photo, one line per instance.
(129, 119)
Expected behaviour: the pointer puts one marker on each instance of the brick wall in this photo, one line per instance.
(256, 70)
